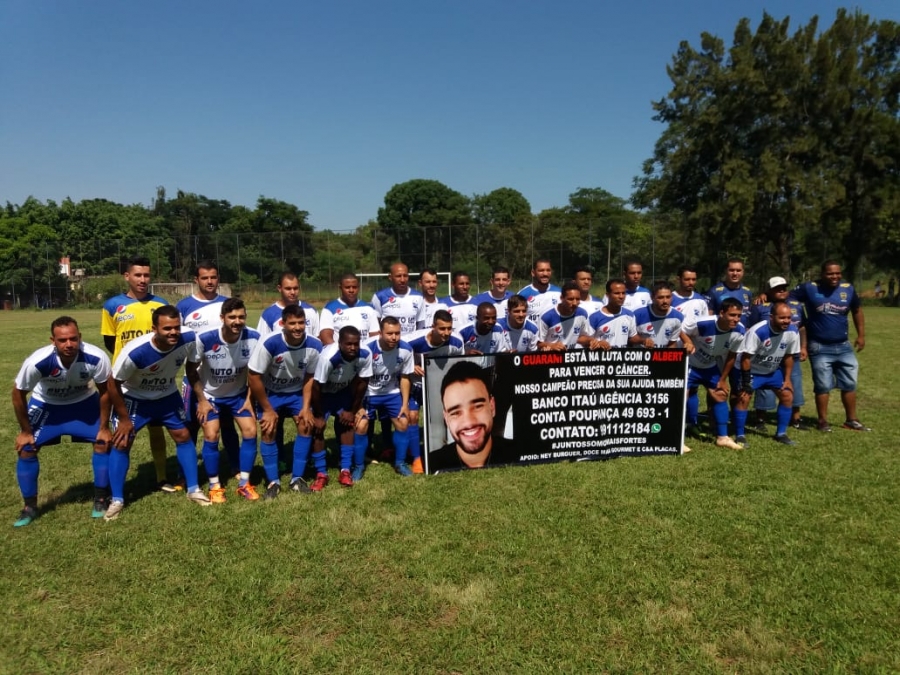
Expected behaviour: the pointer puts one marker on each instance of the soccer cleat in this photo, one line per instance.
(26, 516)
(784, 440)
(180, 485)
(685, 449)
(417, 465)
(856, 425)
(760, 426)
(345, 480)
(799, 425)
(726, 442)
(824, 427)
(319, 483)
(166, 486)
(357, 473)
(199, 497)
(403, 469)
(113, 510)
(300, 485)
(273, 491)
(386, 456)
(248, 492)
(217, 495)
(742, 441)
(100, 506)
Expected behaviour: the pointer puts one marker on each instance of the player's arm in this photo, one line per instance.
(204, 407)
(730, 360)
(121, 437)
(746, 376)
(788, 363)
(104, 435)
(306, 412)
(269, 419)
(859, 322)
(109, 341)
(25, 437)
(405, 388)
(803, 353)
(315, 396)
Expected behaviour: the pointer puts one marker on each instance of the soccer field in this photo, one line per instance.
(769, 559)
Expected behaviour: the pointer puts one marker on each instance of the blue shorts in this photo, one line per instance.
(707, 377)
(772, 381)
(50, 421)
(228, 406)
(285, 404)
(167, 411)
(385, 404)
(833, 365)
(765, 398)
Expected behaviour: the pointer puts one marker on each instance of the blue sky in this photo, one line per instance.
(328, 104)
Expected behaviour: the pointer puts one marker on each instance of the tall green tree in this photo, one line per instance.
(776, 141)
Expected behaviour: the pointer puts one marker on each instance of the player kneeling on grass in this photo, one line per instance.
(145, 372)
(389, 387)
(338, 389)
(767, 359)
(281, 373)
(713, 344)
(69, 397)
(217, 373)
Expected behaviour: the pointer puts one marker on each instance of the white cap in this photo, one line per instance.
(774, 282)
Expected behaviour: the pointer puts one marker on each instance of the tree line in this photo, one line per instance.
(782, 148)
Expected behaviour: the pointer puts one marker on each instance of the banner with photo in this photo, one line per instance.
(510, 408)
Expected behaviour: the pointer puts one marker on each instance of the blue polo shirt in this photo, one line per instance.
(826, 310)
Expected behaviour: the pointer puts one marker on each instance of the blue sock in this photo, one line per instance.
(210, 452)
(720, 414)
(693, 408)
(740, 422)
(784, 418)
(415, 445)
(301, 455)
(401, 443)
(269, 452)
(360, 445)
(27, 470)
(187, 459)
(231, 442)
(119, 461)
(346, 456)
(248, 457)
(100, 462)
(319, 462)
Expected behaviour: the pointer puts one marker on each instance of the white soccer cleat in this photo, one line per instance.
(199, 497)
(727, 442)
(113, 511)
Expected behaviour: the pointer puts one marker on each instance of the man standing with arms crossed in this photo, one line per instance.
(828, 301)
(128, 316)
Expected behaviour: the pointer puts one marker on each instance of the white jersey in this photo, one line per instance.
(767, 348)
(553, 327)
(522, 339)
(425, 318)
(493, 342)
(223, 365)
(499, 305)
(48, 380)
(337, 314)
(663, 329)
(284, 368)
(463, 313)
(712, 345)
(404, 308)
(615, 329)
(199, 315)
(271, 322)
(146, 372)
(388, 367)
(540, 302)
(591, 305)
(334, 373)
(693, 307)
(634, 300)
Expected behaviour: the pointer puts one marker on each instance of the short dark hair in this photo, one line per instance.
(483, 307)
(286, 275)
(442, 315)
(516, 301)
(231, 304)
(570, 285)
(611, 282)
(685, 268)
(137, 261)
(499, 270)
(632, 260)
(428, 270)
(348, 275)
(583, 269)
(829, 263)
(538, 261)
(464, 371)
(389, 321)
(457, 274)
(168, 311)
(734, 259)
(61, 321)
(292, 310)
(205, 265)
(728, 303)
(348, 331)
(660, 285)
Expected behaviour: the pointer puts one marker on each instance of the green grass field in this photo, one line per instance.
(770, 559)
